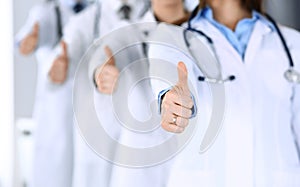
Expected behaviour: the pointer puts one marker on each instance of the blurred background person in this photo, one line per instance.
(105, 72)
(81, 31)
(53, 152)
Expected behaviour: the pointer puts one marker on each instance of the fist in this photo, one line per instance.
(29, 43)
(59, 69)
(177, 104)
(107, 75)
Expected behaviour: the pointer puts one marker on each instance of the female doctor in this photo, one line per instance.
(259, 142)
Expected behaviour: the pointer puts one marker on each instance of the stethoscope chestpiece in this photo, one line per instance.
(216, 81)
(292, 76)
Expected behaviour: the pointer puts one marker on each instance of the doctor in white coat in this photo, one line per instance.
(258, 144)
(105, 74)
(81, 31)
(53, 153)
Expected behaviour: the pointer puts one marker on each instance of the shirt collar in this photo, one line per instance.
(206, 13)
(71, 3)
(117, 4)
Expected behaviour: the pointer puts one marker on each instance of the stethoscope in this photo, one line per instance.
(58, 21)
(291, 75)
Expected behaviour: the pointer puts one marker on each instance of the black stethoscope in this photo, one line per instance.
(291, 75)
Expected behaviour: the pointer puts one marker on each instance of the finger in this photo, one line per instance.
(105, 90)
(110, 71)
(107, 82)
(106, 85)
(169, 117)
(183, 100)
(180, 111)
(64, 48)
(109, 55)
(182, 76)
(35, 29)
(182, 122)
(172, 128)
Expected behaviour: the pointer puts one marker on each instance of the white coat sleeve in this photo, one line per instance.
(34, 15)
(44, 15)
(78, 35)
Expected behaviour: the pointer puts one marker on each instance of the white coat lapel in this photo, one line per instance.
(260, 29)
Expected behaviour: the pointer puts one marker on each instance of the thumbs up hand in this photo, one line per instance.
(29, 43)
(177, 103)
(59, 69)
(106, 75)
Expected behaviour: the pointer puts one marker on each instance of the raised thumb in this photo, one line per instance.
(64, 49)
(182, 75)
(35, 29)
(110, 57)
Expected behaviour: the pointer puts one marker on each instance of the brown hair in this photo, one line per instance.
(249, 4)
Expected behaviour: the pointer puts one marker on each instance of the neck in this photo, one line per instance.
(229, 13)
(170, 13)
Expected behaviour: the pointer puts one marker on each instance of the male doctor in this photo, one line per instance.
(104, 75)
(53, 153)
(84, 28)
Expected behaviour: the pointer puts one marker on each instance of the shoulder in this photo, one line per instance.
(87, 14)
(42, 7)
(291, 36)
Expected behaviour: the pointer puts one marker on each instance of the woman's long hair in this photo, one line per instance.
(249, 4)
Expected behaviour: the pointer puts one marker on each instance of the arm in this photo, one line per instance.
(40, 28)
(67, 55)
(175, 99)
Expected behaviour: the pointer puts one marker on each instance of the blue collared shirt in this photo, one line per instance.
(238, 38)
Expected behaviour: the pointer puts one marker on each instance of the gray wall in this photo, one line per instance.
(24, 67)
(286, 12)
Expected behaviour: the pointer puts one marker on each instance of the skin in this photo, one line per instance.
(29, 43)
(229, 12)
(169, 11)
(106, 76)
(177, 102)
(59, 70)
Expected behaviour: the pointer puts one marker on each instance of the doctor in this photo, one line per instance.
(80, 32)
(105, 74)
(53, 153)
(259, 142)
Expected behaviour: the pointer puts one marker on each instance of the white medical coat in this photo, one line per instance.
(53, 153)
(256, 145)
(138, 103)
(89, 169)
